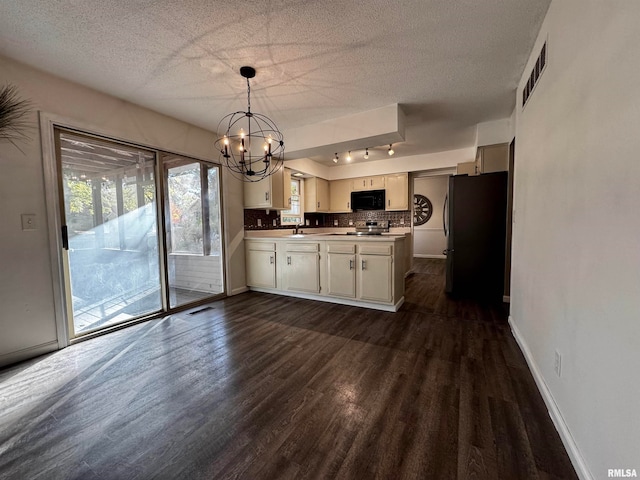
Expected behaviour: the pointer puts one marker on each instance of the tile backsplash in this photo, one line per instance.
(266, 220)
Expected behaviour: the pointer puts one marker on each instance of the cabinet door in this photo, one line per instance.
(257, 194)
(267, 193)
(310, 194)
(342, 274)
(397, 192)
(261, 269)
(368, 183)
(323, 195)
(302, 272)
(375, 183)
(287, 188)
(340, 195)
(375, 278)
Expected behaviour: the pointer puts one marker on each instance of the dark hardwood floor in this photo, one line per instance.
(267, 387)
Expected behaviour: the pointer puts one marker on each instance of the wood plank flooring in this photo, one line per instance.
(268, 387)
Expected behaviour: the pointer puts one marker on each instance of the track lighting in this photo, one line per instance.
(366, 154)
(349, 156)
(391, 152)
(335, 159)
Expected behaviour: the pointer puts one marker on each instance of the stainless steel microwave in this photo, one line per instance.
(367, 200)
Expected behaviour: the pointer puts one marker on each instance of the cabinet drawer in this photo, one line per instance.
(341, 247)
(303, 247)
(375, 249)
(262, 246)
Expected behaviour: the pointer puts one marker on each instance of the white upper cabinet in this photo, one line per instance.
(316, 195)
(397, 191)
(268, 193)
(340, 196)
(368, 183)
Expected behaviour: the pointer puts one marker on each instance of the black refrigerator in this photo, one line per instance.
(475, 224)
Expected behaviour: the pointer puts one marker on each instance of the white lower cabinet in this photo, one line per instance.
(341, 270)
(302, 267)
(368, 273)
(361, 271)
(375, 278)
(261, 264)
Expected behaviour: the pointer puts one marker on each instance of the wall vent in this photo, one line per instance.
(536, 73)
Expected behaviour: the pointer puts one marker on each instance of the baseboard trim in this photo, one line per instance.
(27, 353)
(422, 255)
(338, 300)
(575, 456)
(238, 291)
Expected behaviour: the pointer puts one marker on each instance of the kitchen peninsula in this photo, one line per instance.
(366, 271)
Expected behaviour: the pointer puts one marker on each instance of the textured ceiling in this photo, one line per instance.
(449, 64)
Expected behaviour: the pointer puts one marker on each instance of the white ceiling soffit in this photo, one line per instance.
(449, 64)
(372, 128)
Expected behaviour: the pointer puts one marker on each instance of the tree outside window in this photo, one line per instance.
(293, 216)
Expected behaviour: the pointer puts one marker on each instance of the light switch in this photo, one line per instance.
(28, 221)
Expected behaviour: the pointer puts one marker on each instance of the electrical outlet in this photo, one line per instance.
(335, 223)
(350, 223)
(274, 222)
(557, 364)
(402, 221)
(259, 222)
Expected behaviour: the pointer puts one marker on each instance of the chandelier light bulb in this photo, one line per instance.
(391, 152)
(366, 154)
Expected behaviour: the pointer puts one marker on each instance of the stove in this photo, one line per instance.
(371, 228)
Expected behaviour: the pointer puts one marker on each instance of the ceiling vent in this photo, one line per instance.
(536, 73)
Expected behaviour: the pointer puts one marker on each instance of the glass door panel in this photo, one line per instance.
(193, 230)
(109, 196)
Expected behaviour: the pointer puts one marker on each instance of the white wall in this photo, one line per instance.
(576, 239)
(414, 163)
(429, 240)
(27, 323)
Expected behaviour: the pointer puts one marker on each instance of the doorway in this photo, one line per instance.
(429, 203)
(141, 232)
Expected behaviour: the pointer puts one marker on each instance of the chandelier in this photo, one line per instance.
(252, 147)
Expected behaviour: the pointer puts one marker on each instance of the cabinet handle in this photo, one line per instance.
(364, 264)
(318, 204)
(348, 204)
(266, 196)
(289, 200)
(371, 182)
(288, 260)
(271, 259)
(350, 264)
(389, 203)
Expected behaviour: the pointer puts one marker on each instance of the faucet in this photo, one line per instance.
(296, 228)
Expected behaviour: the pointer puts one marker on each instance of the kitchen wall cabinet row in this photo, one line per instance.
(322, 196)
(396, 188)
(365, 273)
(489, 158)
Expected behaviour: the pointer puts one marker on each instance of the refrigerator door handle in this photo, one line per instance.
(444, 211)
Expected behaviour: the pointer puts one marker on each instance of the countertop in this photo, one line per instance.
(329, 236)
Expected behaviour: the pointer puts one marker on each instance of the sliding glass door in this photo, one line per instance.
(193, 230)
(122, 258)
(111, 232)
